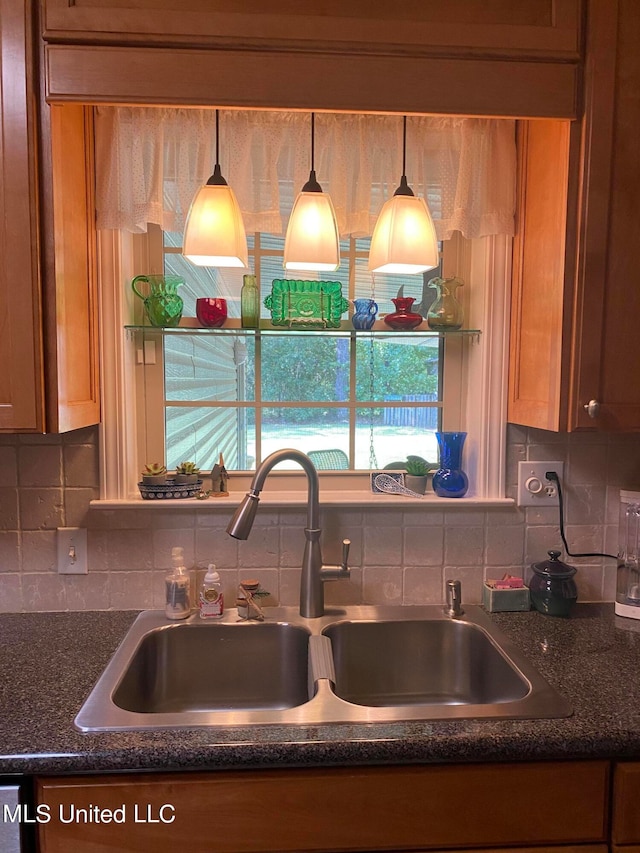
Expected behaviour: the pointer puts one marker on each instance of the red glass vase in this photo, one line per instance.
(403, 317)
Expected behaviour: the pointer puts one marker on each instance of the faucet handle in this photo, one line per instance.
(336, 573)
(346, 544)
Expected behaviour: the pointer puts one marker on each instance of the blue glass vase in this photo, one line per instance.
(450, 481)
(365, 314)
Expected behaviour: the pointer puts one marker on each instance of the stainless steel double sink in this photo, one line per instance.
(353, 665)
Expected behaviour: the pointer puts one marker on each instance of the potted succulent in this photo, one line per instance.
(187, 473)
(154, 474)
(417, 473)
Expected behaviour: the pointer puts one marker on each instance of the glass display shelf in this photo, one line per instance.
(190, 326)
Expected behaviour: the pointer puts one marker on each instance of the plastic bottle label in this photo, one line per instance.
(211, 604)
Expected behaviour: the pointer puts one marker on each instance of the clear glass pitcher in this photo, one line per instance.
(161, 301)
(628, 579)
(445, 313)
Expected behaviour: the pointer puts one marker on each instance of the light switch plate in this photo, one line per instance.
(72, 551)
(534, 489)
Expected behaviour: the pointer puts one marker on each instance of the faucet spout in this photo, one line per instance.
(313, 572)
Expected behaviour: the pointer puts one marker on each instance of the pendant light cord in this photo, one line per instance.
(312, 185)
(216, 179)
(404, 148)
(313, 141)
(217, 138)
(404, 188)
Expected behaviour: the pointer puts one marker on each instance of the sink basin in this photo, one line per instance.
(199, 667)
(438, 662)
(353, 665)
(171, 675)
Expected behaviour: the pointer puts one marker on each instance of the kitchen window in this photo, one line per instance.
(356, 401)
(160, 415)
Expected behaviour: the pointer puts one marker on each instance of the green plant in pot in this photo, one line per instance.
(417, 473)
(154, 474)
(187, 473)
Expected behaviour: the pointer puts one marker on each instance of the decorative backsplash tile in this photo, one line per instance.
(398, 555)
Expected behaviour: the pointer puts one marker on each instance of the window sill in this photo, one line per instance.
(362, 499)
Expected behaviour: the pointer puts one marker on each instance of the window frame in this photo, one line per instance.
(475, 386)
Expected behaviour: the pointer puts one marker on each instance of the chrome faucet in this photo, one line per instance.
(454, 599)
(314, 573)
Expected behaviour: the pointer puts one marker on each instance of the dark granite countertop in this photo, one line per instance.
(50, 662)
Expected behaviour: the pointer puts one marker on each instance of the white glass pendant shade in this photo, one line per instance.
(214, 234)
(404, 238)
(312, 234)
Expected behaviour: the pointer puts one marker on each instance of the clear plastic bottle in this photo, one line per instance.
(249, 303)
(178, 588)
(211, 596)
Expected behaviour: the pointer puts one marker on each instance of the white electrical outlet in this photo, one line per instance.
(534, 487)
(72, 551)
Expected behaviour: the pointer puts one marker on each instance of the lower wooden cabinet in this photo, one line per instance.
(555, 806)
(625, 827)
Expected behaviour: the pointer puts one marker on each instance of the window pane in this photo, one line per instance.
(209, 367)
(384, 435)
(201, 433)
(402, 367)
(298, 366)
(305, 428)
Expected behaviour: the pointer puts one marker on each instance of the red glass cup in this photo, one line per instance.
(211, 312)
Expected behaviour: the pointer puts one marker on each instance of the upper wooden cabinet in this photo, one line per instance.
(21, 355)
(425, 56)
(48, 321)
(576, 297)
(539, 28)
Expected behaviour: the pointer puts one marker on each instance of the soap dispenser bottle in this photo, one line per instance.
(211, 596)
(178, 588)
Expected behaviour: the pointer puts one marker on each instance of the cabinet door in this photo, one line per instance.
(539, 28)
(70, 272)
(606, 352)
(576, 300)
(48, 310)
(21, 398)
(625, 828)
(346, 809)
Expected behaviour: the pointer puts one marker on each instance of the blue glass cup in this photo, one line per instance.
(450, 481)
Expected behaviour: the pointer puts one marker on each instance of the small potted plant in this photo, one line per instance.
(187, 473)
(417, 471)
(154, 474)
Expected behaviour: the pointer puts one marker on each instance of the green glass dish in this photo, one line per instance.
(306, 304)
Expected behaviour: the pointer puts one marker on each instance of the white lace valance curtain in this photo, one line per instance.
(151, 161)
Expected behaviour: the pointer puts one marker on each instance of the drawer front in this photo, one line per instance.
(347, 809)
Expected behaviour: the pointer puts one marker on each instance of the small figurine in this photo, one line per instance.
(219, 479)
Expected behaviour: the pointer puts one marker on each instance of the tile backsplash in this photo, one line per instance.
(398, 554)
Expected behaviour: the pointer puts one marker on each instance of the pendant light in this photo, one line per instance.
(404, 238)
(214, 234)
(312, 233)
